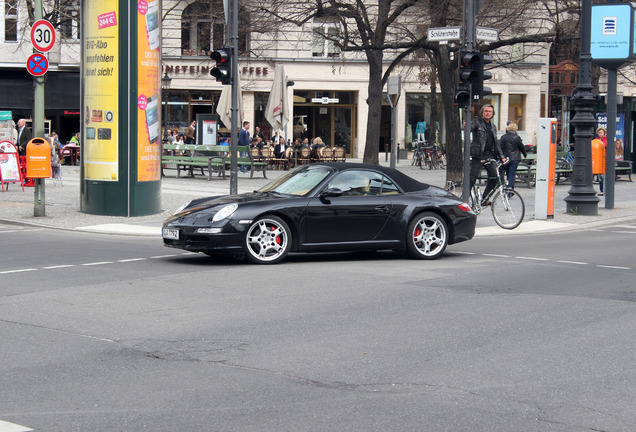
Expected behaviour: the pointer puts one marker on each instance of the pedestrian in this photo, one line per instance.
(258, 133)
(512, 147)
(190, 133)
(484, 146)
(24, 136)
(601, 135)
(244, 140)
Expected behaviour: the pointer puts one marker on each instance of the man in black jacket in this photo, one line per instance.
(512, 148)
(484, 146)
(24, 136)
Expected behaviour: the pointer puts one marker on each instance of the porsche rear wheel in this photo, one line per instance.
(427, 236)
(268, 240)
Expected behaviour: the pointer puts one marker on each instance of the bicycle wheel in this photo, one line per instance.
(442, 161)
(508, 209)
(434, 161)
(475, 201)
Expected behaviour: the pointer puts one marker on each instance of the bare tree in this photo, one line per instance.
(389, 32)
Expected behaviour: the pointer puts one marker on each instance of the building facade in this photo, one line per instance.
(329, 91)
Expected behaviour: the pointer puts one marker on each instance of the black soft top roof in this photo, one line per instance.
(408, 184)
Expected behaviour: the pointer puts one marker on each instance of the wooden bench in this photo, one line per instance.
(186, 157)
(254, 162)
(623, 167)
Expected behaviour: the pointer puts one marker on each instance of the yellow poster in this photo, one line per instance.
(100, 66)
(149, 91)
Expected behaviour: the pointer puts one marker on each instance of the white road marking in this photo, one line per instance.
(623, 232)
(18, 271)
(12, 427)
(573, 262)
(131, 260)
(463, 253)
(163, 256)
(613, 267)
(497, 256)
(97, 263)
(58, 266)
(532, 258)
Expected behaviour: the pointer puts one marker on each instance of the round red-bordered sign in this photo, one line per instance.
(37, 64)
(42, 35)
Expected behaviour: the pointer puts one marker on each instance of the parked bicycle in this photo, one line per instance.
(418, 155)
(507, 206)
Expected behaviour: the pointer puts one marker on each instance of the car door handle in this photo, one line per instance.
(382, 209)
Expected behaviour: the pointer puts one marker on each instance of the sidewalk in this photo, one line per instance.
(63, 204)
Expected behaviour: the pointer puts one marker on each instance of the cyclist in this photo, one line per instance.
(484, 146)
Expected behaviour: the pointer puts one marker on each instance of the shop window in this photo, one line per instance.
(516, 104)
(325, 33)
(69, 20)
(203, 28)
(11, 20)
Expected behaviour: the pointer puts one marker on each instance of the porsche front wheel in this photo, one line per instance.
(268, 240)
(427, 236)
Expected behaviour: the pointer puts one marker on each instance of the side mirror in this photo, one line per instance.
(331, 192)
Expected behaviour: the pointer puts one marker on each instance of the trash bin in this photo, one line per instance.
(38, 158)
(598, 157)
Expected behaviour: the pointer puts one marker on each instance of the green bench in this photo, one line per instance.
(252, 159)
(186, 157)
(624, 167)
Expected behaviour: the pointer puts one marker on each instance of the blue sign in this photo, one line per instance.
(611, 32)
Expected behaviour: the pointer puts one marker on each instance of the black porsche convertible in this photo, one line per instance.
(324, 207)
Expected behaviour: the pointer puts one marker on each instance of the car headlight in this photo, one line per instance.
(182, 207)
(225, 212)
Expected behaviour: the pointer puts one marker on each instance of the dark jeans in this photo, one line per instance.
(511, 172)
(475, 170)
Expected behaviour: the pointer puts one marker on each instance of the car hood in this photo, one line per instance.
(201, 204)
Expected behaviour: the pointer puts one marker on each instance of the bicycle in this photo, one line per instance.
(418, 155)
(507, 206)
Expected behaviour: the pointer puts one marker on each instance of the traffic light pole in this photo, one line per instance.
(468, 45)
(235, 105)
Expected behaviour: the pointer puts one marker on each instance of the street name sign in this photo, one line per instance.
(487, 34)
(444, 33)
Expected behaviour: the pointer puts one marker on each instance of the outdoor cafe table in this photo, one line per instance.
(74, 152)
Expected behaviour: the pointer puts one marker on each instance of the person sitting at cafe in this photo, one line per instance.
(75, 139)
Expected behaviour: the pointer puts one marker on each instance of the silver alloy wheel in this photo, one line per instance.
(268, 240)
(429, 236)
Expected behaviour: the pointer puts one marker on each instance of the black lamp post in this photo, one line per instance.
(582, 197)
(165, 85)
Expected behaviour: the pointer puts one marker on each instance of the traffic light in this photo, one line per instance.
(479, 90)
(223, 70)
(468, 63)
(462, 95)
(468, 66)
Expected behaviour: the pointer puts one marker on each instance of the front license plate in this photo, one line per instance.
(170, 233)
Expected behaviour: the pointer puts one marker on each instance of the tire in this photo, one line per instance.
(427, 236)
(434, 161)
(508, 209)
(268, 240)
(476, 206)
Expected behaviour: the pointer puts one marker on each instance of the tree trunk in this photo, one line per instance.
(372, 147)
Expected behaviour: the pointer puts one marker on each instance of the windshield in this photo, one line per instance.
(299, 181)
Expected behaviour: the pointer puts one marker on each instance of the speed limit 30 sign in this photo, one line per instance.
(42, 35)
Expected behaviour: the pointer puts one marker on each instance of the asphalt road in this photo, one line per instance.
(112, 333)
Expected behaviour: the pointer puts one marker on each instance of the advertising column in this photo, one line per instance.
(121, 149)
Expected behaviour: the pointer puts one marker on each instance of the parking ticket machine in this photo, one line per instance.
(546, 162)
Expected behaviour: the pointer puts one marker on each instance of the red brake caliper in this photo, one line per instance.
(278, 239)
